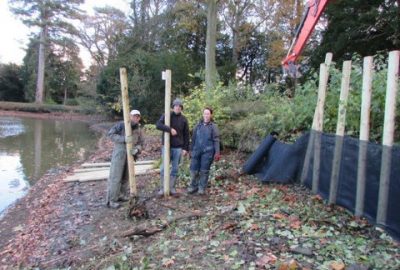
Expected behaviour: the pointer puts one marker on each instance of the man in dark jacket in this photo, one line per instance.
(118, 160)
(179, 131)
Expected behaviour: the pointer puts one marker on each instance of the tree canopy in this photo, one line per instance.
(251, 39)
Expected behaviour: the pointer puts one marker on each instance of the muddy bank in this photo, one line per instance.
(23, 225)
(59, 224)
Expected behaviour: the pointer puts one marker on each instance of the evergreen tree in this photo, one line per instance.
(364, 27)
(53, 18)
(11, 85)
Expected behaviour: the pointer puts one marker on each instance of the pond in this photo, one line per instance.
(30, 147)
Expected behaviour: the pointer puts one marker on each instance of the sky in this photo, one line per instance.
(15, 35)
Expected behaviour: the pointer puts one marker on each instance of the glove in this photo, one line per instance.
(128, 139)
(134, 151)
(217, 156)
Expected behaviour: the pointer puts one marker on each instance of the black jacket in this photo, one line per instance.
(181, 125)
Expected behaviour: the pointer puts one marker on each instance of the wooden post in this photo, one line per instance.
(364, 133)
(166, 75)
(337, 157)
(128, 130)
(311, 141)
(323, 81)
(388, 133)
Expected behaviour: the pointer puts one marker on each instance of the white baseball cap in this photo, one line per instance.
(135, 112)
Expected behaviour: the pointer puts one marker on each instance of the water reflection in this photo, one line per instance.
(30, 147)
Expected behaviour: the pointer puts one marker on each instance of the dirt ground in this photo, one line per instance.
(239, 224)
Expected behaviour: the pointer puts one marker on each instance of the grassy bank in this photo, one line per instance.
(41, 108)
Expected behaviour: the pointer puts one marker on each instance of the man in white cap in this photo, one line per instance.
(118, 160)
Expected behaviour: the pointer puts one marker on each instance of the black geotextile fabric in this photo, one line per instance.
(274, 161)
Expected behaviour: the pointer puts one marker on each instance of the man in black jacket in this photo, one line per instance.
(179, 131)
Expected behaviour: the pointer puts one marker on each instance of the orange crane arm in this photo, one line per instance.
(313, 11)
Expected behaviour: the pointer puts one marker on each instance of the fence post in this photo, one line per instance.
(388, 132)
(311, 141)
(337, 157)
(323, 81)
(166, 75)
(364, 133)
(128, 130)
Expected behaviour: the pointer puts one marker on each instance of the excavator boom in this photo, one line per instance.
(312, 13)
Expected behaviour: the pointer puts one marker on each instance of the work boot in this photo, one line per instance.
(113, 205)
(203, 182)
(161, 191)
(172, 183)
(123, 198)
(194, 182)
(191, 190)
(201, 191)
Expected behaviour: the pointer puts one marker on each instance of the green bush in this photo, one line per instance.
(245, 117)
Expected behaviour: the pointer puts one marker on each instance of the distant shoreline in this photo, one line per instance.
(54, 115)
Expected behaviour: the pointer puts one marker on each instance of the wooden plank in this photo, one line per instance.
(341, 123)
(166, 75)
(364, 133)
(96, 169)
(104, 171)
(91, 169)
(99, 164)
(105, 175)
(388, 134)
(107, 164)
(128, 130)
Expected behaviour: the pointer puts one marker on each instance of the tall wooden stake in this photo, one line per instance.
(364, 133)
(388, 133)
(337, 157)
(311, 141)
(323, 82)
(128, 130)
(166, 75)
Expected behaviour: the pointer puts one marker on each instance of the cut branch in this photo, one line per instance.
(144, 231)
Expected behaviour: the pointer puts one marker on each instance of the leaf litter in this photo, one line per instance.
(239, 224)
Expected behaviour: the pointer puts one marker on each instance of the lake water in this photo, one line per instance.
(31, 147)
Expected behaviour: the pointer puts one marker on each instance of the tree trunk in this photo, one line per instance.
(235, 39)
(211, 68)
(65, 96)
(41, 66)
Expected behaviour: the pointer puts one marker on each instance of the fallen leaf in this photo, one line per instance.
(278, 216)
(337, 266)
(254, 227)
(290, 265)
(168, 262)
(295, 224)
(289, 198)
(267, 259)
(229, 226)
(317, 197)
(252, 191)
